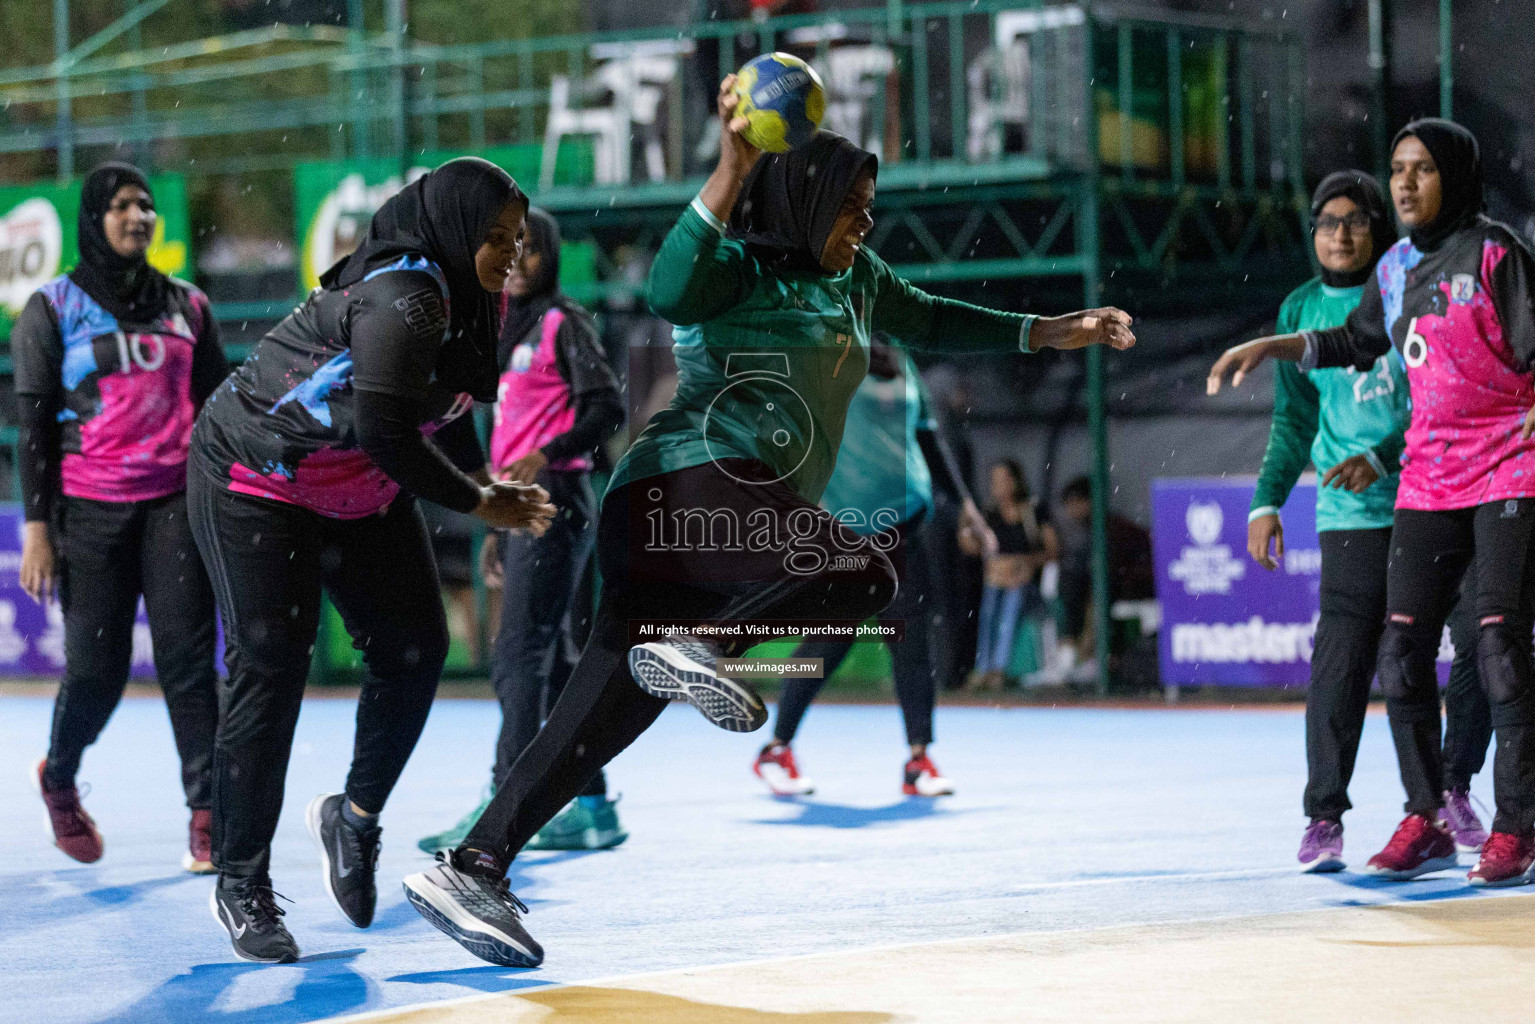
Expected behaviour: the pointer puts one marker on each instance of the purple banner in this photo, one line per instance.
(32, 635)
(1226, 620)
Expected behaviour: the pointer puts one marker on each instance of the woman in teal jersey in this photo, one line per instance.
(1350, 425)
(711, 517)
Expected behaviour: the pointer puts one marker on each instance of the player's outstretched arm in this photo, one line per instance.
(1106, 325)
(1240, 360)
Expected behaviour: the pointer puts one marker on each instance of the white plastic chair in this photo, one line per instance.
(607, 125)
(854, 74)
(639, 85)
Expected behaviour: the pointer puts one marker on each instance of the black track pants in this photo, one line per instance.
(268, 562)
(111, 552)
(659, 577)
(1343, 661)
(1429, 553)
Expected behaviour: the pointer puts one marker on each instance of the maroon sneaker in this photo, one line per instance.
(1506, 860)
(199, 856)
(74, 831)
(1418, 847)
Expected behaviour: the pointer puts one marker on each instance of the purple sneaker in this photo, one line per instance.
(1461, 821)
(1321, 848)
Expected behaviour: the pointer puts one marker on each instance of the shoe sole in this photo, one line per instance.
(1326, 864)
(1428, 867)
(661, 672)
(312, 819)
(218, 915)
(442, 912)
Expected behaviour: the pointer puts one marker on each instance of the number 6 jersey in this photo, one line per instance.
(1461, 320)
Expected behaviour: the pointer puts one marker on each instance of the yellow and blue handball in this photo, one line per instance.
(782, 99)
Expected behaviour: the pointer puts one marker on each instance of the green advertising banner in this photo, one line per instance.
(334, 201)
(37, 236)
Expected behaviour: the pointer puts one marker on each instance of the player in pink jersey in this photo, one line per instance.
(1455, 302)
(112, 362)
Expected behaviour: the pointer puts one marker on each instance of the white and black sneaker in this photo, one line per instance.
(681, 667)
(348, 858)
(479, 912)
(248, 910)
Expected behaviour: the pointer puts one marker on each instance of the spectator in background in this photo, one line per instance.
(1025, 543)
(1131, 573)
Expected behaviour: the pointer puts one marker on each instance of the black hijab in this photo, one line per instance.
(790, 201)
(1366, 193)
(445, 215)
(520, 314)
(1459, 160)
(125, 286)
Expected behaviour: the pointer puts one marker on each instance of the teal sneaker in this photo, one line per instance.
(586, 823)
(454, 837)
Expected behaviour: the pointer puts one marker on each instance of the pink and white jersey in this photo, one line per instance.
(1460, 319)
(128, 402)
(534, 404)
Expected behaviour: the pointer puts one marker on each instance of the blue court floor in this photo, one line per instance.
(1065, 819)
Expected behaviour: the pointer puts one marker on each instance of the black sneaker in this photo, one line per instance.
(478, 912)
(681, 667)
(248, 910)
(348, 858)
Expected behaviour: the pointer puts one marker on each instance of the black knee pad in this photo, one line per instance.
(1405, 656)
(1503, 659)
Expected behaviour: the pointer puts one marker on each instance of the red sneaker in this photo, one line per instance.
(775, 766)
(1418, 847)
(1506, 860)
(922, 779)
(199, 856)
(74, 831)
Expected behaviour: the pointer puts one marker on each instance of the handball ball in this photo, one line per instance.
(782, 100)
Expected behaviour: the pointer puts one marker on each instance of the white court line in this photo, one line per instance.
(1191, 876)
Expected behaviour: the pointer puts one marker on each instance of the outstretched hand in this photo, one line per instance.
(1240, 360)
(1106, 325)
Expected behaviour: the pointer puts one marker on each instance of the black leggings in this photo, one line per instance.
(705, 564)
(268, 561)
(110, 553)
(1343, 663)
(1429, 553)
(534, 652)
(915, 680)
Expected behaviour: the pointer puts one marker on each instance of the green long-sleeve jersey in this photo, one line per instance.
(767, 361)
(1325, 416)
